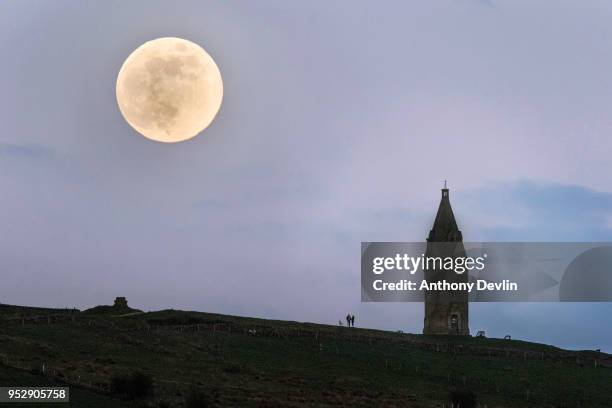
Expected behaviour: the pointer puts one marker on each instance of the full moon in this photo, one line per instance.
(169, 89)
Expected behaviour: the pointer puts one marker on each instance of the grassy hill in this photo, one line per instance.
(80, 397)
(237, 361)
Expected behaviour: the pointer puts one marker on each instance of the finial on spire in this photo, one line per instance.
(445, 190)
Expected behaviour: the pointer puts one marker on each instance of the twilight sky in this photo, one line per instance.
(340, 120)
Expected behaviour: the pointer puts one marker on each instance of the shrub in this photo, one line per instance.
(462, 398)
(132, 386)
(232, 369)
(36, 369)
(197, 399)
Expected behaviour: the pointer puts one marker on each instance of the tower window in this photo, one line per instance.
(454, 323)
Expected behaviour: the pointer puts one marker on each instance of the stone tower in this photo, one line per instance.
(445, 312)
(120, 302)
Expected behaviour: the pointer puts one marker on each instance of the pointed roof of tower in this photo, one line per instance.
(445, 227)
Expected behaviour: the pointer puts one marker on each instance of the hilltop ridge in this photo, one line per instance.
(257, 362)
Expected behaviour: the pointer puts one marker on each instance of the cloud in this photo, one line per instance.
(536, 211)
(27, 151)
(210, 204)
(539, 211)
(486, 3)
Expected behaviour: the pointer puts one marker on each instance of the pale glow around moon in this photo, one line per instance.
(169, 89)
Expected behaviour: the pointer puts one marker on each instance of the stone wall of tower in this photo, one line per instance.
(447, 313)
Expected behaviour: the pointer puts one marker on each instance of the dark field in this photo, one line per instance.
(217, 360)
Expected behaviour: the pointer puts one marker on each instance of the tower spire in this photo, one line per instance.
(445, 227)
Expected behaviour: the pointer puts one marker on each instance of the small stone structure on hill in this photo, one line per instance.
(120, 302)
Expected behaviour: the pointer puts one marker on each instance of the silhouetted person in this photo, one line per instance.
(353, 320)
(348, 320)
